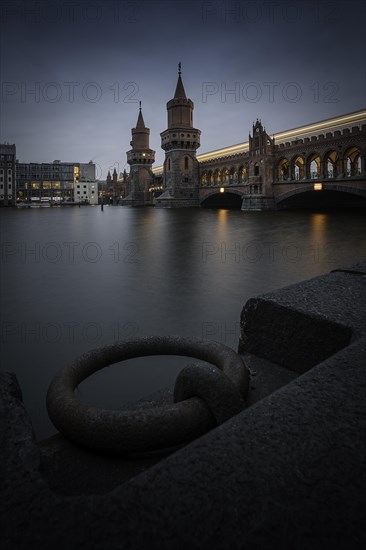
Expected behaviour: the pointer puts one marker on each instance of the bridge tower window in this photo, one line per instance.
(256, 169)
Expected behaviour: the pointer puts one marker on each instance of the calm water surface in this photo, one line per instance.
(74, 279)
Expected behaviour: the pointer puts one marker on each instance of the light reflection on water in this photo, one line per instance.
(76, 279)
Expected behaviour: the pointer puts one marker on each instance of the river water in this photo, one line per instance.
(74, 279)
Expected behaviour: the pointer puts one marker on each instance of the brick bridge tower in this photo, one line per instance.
(140, 158)
(180, 142)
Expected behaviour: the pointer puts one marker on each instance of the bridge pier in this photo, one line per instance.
(258, 203)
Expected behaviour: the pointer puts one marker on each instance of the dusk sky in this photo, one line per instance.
(73, 71)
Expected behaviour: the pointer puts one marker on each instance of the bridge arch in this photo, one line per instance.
(328, 192)
(228, 199)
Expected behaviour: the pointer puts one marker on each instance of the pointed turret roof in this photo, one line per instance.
(140, 119)
(179, 90)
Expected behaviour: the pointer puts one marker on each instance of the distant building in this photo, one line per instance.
(53, 182)
(115, 188)
(7, 174)
(86, 192)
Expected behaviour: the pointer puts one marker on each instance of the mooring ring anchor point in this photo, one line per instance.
(204, 396)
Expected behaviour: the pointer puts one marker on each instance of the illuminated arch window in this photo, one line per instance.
(314, 167)
(233, 176)
(243, 174)
(217, 177)
(352, 162)
(283, 170)
(298, 168)
(331, 164)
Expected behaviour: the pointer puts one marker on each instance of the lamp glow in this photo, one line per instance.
(318, 186)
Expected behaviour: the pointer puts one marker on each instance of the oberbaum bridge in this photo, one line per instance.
(319, 164)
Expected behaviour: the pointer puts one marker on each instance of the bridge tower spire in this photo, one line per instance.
(180, 142)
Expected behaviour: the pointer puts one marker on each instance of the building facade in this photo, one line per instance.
(86, 192)
(53, 182)
(7, 174)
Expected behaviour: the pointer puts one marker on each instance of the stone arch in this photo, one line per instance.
(297, 167)
(225, 176)
(283, 169)
(243, 174)
(331, 163)
(204, 178)
(233, 175)
(352, 162)
(216, 193)
(308, 187)
(217, 177)
(313, 166)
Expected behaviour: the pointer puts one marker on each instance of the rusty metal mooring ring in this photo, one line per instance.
(204, 396)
